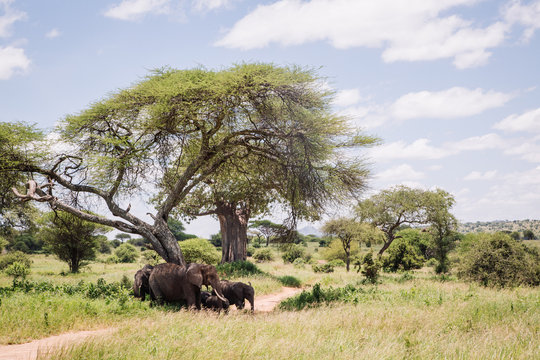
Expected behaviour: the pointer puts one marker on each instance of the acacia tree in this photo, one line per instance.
(267, 228)
(183, 126)
(392, 208)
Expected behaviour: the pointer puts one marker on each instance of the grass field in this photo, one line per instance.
(411, 315)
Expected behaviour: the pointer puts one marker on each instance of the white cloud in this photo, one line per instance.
(528, 122)
(528, 150)
(12, 60)
(9, 17)
(407, 31)
(202, 5)
(53, 34)
(403, 172)
(455, 102)
(477, 175)
(422, 150)
(419, 149)
(347, 97)
(135, 9)
(525, 15)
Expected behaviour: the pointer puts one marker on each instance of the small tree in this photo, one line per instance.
(123, 237)
(70, 238)
(348, 231)
(266, 228)
(528, 235)
(198, 250)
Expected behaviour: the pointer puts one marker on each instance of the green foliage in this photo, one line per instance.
(370, 267)
(177, 229)
(17, 270)
(70, 238)
(215, 239)
(291, 281)
(262, 255)
(299, 263)
(15, 256)
(3, 243)
(337, 263)
(292, 253)
(323, 268)
(126, 253)
(499, 260)
(335, 251)
(151, 257)
(238, 269)
(528, 235)
(104, 246)
(318, 296)
(26, 242)
(402, 255)
(200, 251)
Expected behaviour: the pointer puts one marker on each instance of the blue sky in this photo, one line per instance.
(450, 86)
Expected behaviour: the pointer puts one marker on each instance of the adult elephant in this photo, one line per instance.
(237, 293)
(171, 282)
(141, 287)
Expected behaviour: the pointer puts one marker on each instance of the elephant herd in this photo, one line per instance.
(171, 282)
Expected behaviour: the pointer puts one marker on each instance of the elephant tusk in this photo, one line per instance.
(221, 297)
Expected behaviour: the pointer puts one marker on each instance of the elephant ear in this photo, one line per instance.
(194, 276)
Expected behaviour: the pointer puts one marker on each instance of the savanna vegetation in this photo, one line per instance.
(393, 278)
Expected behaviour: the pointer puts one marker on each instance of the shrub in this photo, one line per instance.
(126, 253)
(292, 253)
(151, 257)
(299, 263)
(18, 270)
(499, 260)
(113, 259)
(199, 251)
(370, 267)
(16, 256)
(337, 263)
(335, 251)
(262, 255)
(290, 281)
(402, 255)
(318, 296)
(238, 269)
(324, 268)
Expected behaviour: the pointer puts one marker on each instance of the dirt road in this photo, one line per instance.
(29, 351)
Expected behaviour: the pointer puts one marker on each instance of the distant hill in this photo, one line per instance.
(501, 225)
(310, 230)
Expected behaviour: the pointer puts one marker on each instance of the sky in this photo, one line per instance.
(449, 86)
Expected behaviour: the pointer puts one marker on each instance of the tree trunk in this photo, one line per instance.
(233, 221)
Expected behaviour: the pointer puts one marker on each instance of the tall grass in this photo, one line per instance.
(413, 320)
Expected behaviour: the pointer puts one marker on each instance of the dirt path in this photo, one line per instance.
(268, 302)
(29, 351)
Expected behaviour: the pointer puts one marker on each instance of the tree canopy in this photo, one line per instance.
(395, 207)
(179, 129)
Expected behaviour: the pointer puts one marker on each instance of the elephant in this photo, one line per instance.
(210, 301)
(237, 293)
(140, 283)
(172, 282)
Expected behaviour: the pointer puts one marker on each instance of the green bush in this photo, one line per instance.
(335, 251)
(318, 296)
(292, 253)
(126, 253)
(151, 257)
(238, 269)
(299, 263)
(199, 251)
(113, 259)
(291, 281)
(324, 268)
(16, 256)
(337, 263)
(262, 255)
(370, 267)
(499, 260)
(18, 270)
(402, 255)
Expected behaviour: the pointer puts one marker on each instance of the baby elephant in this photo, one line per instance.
(213, 302)
(141, 287)
(237, 293)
